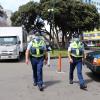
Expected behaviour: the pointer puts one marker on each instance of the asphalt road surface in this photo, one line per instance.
(16, 83)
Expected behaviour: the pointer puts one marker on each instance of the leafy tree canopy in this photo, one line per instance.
(25, 15)
(71, 14)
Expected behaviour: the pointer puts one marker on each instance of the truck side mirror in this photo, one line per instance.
(19, 42)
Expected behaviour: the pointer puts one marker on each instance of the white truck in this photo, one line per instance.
(13, 41)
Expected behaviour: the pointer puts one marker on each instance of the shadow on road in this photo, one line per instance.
(50, 83)
(94, 77)
(86, 80)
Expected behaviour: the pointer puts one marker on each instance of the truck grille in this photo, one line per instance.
(5, 54)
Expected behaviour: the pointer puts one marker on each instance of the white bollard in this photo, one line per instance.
(48, 59)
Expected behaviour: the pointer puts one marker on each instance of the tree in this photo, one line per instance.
(71, 16)
(25, 15)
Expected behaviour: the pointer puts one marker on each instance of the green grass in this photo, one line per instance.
(95, 47)
(56, 53)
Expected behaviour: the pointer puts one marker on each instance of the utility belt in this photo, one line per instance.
(76, 58)
(37, 57)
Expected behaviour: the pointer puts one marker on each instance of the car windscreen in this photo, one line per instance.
(95, 54)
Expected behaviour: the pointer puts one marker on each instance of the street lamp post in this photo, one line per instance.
(51, 11)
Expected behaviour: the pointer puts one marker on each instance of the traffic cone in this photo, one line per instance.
(59, 63)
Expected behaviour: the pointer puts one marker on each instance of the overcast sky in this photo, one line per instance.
(14, 4)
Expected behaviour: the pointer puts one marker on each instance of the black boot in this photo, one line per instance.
(34, 84)
(83, 86)
(70, 81)
(40, 87)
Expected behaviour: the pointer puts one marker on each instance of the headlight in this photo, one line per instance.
(14, 51)
(95, 61)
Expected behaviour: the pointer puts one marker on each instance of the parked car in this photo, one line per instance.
(86, 47)
(92, 61)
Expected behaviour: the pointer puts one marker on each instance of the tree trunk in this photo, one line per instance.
(63, 42)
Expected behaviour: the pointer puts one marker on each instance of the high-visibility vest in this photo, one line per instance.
(77, 49)
(38, 48)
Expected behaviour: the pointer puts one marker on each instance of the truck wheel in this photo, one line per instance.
(18, 59)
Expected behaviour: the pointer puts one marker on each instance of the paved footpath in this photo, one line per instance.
(16, 83)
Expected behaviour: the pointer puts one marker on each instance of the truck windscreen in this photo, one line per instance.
(10, 40)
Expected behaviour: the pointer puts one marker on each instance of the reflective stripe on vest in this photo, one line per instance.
(77, 49)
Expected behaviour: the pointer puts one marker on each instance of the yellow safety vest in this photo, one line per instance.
(38, 48)
(77, 49)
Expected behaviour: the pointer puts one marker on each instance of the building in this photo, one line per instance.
(92, 38)
(8, 20)
(3, 17)
(93, 2)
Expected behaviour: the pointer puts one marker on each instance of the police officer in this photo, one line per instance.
(36, 51)
(76, 55)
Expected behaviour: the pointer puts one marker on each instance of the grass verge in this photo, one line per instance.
(56, 53)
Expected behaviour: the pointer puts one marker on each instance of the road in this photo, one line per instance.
(16, 83)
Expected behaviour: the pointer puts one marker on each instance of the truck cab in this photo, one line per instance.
(9, 47)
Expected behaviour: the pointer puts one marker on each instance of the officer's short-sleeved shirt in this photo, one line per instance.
(48, 47)
(29, 45)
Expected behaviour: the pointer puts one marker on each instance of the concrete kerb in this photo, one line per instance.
(57, 57)
(60, 72)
